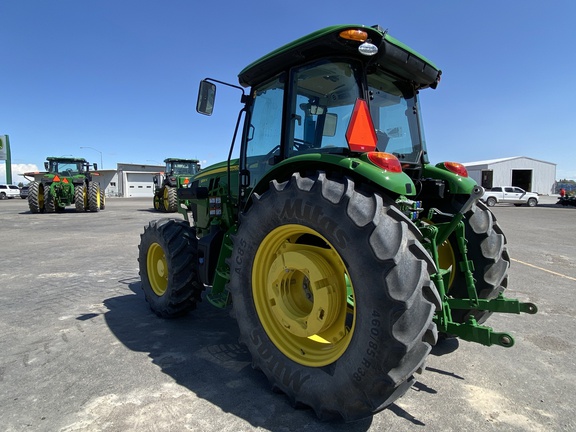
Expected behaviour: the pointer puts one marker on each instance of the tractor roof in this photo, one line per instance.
(392, 55)
(181, 160)
(65, 159)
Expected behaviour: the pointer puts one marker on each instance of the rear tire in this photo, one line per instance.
(50, 204)
(532, 202)
(158, 202)
(36, 197)
(168, 267)
(80, 198)
(169, 199)
(487, 249)
(94, 196)
(331, 291)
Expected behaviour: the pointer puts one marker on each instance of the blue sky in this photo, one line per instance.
(121, 76)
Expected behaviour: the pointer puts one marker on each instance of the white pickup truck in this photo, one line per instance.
(509, 195)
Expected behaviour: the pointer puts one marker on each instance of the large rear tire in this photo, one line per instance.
(168, 260)
(94, 196)
(487, 249)
(158, 202)
(50, 204)
(36, 197)
(332, 295)
(169, 199)
(80, 198)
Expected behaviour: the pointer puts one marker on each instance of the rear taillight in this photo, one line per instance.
(456, 168)
(386, 161)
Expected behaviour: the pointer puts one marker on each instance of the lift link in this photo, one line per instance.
(473, 332)
(470, 330)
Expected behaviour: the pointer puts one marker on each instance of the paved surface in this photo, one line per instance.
(80, 350)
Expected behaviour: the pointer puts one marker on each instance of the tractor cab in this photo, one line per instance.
(185, 167)
(67, 166)
(338, 93)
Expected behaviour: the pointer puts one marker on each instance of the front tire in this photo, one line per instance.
(332, 295)
(168, 267)
(491, 202)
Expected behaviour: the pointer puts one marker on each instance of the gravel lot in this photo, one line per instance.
(81, 351)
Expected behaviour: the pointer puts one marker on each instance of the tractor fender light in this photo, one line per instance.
(456, 168)
(354, 34)
(186, 180)
(386, 161)
(367, 48)
(56, 179)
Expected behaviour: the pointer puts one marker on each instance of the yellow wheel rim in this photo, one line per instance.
(301, 295)
(157, 269)
(166, 198)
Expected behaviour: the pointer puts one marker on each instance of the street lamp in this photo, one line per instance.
(92, 148)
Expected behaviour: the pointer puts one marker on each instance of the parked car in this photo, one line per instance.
(9, 191)
(24, 192)
(509, 195)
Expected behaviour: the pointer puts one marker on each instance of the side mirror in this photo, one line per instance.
(206, 97)
(95, 165)
(46, 166)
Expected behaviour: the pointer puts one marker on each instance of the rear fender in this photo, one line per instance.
(395, 184)
(456, 184)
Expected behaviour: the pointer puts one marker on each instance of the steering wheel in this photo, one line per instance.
(300, 144)
(273, 152)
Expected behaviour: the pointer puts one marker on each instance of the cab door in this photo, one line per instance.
(511, 195)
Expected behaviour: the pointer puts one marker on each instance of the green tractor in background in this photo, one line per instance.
(68, 181)
(341, 249)
(177, 174)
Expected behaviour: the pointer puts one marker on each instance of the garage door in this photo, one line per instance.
(139, 185)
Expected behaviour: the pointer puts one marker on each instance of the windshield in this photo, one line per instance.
(184, 168)
(67, 168)
(395, 115)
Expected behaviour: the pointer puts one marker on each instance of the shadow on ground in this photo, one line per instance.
(201, 352)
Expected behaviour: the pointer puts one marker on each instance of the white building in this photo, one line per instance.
(532, 175)
(136, 180)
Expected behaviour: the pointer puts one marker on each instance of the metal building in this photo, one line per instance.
(135, 180)
(532, 175)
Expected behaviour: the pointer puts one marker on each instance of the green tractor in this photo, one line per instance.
(67, 181)
(177, 174)
(342, 250)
